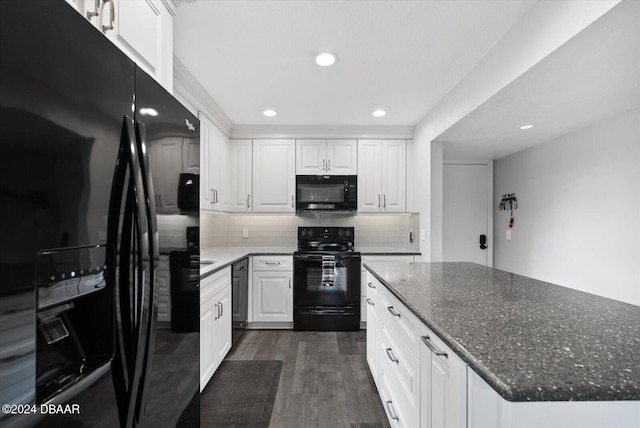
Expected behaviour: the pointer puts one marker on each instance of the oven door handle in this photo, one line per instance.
(319, 256)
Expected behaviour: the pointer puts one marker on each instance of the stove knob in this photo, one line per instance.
(340, 233)
(347, 233)
(310, 233)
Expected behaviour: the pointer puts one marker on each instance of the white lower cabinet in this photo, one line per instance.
(423, 383)
(272, 289)
(444, 384)
(486, 408)
(215, 322)
(371, 288)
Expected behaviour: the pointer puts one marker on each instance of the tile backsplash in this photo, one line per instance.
(379, 230)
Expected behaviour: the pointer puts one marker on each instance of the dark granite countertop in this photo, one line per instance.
(530, 340)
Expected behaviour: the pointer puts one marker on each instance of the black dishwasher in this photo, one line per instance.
(239, 297)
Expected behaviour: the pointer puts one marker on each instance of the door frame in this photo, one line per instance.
(490, 204)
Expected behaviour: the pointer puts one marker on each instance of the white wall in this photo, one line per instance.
(547, 26)
(578, 217)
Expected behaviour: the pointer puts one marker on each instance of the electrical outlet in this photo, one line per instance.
(245, 233)
(423, 235)
(508, 234)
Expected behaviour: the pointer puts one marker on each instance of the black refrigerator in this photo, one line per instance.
(84, 223)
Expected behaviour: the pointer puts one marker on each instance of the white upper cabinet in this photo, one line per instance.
(240, 169)
(142, 29)
(274, 175)
(214, 177)
(326, 157)
(382, 175)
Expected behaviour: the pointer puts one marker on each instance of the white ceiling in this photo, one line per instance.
(402, 56)
(594, 76)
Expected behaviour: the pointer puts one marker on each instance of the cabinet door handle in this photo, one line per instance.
(378, 200)
(427, 341)
(221, 309)
(95, 12)
(370, 302)
(105, 28)
(291, 201)
(217, 312)
(215, 196)
(392, 411)
(370, 285)
(391, 356)
(384, 200)
(393, 311)
(289, 282)
(248, 197)
(323, 165)
(329, 165)
(211, 199)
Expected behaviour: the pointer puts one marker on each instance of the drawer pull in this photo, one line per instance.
(370, 285)
(272, 263)
(427, 341)
(393, 311)
(369, 301)
(392, 411)
(391, 356)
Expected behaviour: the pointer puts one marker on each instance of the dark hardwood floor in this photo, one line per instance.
(325, 381)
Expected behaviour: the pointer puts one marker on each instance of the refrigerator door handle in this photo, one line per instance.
(131, 238)
(154, 255)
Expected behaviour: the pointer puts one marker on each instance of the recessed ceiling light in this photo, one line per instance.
(525, 127)
(325, 59)
(148, 111)
(378, 113)
(270, 113)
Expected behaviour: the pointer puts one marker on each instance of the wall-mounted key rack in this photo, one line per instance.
(508, 202)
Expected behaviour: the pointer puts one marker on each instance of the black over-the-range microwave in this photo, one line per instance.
(326, 193)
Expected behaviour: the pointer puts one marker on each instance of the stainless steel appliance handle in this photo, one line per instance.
(392, 411)
(105, 28)
(369, 301)
(95, 12)
(393, 311)
(391, 356)
(370, 285)
(427, 341)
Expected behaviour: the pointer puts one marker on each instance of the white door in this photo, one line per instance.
(342, 157)
(465, 214)
(274, 175)
(272, 298)
(311, 157)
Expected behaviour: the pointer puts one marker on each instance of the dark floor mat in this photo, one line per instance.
(241, 394)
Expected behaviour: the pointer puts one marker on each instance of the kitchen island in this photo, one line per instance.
(529, 340)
